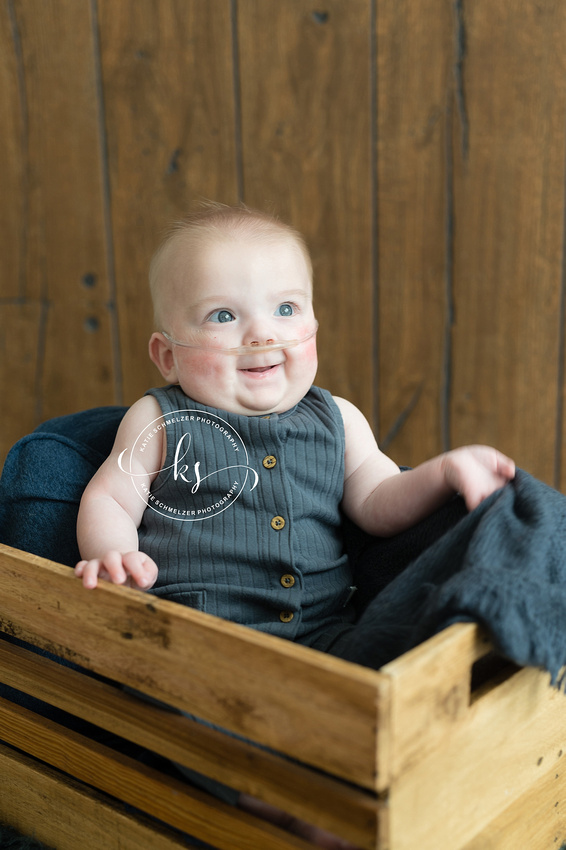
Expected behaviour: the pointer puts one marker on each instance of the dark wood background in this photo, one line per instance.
(419, 146)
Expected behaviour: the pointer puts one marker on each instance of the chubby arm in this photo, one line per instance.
(384, 502)
(111, 507)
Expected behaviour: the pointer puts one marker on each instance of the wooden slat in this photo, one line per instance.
(414, 72)
(430, 692)
(169, 116)
(64, 224)
(536, 820)
(306, 151)
(493, 753)
(60, 812)
(509, 211)
(13, 161)
(280, 694)
(306, 794)
(20, 328)
(192, 811)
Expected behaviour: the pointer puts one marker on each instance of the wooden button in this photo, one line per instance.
(286, 616)
(277, 523)
(269, 461)
(287, 580)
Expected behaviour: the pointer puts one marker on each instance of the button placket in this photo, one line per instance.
(271, 463)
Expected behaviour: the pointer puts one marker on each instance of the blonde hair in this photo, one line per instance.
(212, 222)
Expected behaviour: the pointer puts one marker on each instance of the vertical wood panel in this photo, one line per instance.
(306, 142)
(62, 231)
(414, 79)
(19, 324)
(168, 91)
(509, 213)
(12, 160)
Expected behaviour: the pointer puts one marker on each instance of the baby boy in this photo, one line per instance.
(224, 488)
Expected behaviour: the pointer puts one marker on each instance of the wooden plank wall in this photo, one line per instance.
(419, 147)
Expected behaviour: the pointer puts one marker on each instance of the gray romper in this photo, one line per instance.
(244, 521)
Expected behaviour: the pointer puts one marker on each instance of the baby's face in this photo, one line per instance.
(232, 293)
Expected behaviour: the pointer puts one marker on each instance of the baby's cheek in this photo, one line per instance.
(206, 363)
(201, 369)
(310, 353)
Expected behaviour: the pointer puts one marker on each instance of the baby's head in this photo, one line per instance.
(234, 278)
(209, 224)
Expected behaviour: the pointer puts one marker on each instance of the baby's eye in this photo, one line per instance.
(285, 310)
(221, 316)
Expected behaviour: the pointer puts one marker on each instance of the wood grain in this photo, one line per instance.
(460, 759)
(169, 115)
(425, 709)
(159, 796)
(65, 248)
(41, 802)
(509, 137)
(414, 58)
(509, 742)
(20, 333)
(537, 819)
(306, 151)
(247, 682)
(295, 789)
(13, 161)
(458, 764)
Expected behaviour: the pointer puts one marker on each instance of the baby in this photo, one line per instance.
(224, 489)
(232, 292)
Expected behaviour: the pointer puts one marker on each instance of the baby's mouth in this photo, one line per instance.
(259, 369)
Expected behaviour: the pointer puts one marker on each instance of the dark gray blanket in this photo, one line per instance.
(503, 564)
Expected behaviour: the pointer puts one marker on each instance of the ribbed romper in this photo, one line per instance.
(243, 519)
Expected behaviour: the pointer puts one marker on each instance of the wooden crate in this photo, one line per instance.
(430, 752)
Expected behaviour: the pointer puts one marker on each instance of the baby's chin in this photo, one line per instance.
(245, 407)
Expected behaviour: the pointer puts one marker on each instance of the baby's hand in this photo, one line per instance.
(132, 569)
(476, 472)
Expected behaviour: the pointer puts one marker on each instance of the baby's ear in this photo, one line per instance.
(161, 353)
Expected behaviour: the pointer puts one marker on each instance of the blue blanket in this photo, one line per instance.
(503, 565)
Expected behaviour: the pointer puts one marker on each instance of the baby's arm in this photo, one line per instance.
(384, 502)
(111, 508)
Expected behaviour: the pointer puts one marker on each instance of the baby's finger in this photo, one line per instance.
(482, 486)
(112, 563)
(506, 466)
(89, 573)
(141, 569)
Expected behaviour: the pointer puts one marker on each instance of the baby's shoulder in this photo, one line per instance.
(139, 436)
(143, 416)
(350, 413)
(144, 411)
(357, 430)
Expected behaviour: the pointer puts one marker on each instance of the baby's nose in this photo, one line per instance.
(258, 331)
(262, 342)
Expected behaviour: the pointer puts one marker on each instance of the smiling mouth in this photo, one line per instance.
(260, 369)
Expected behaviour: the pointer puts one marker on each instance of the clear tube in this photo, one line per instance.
(251, 348)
